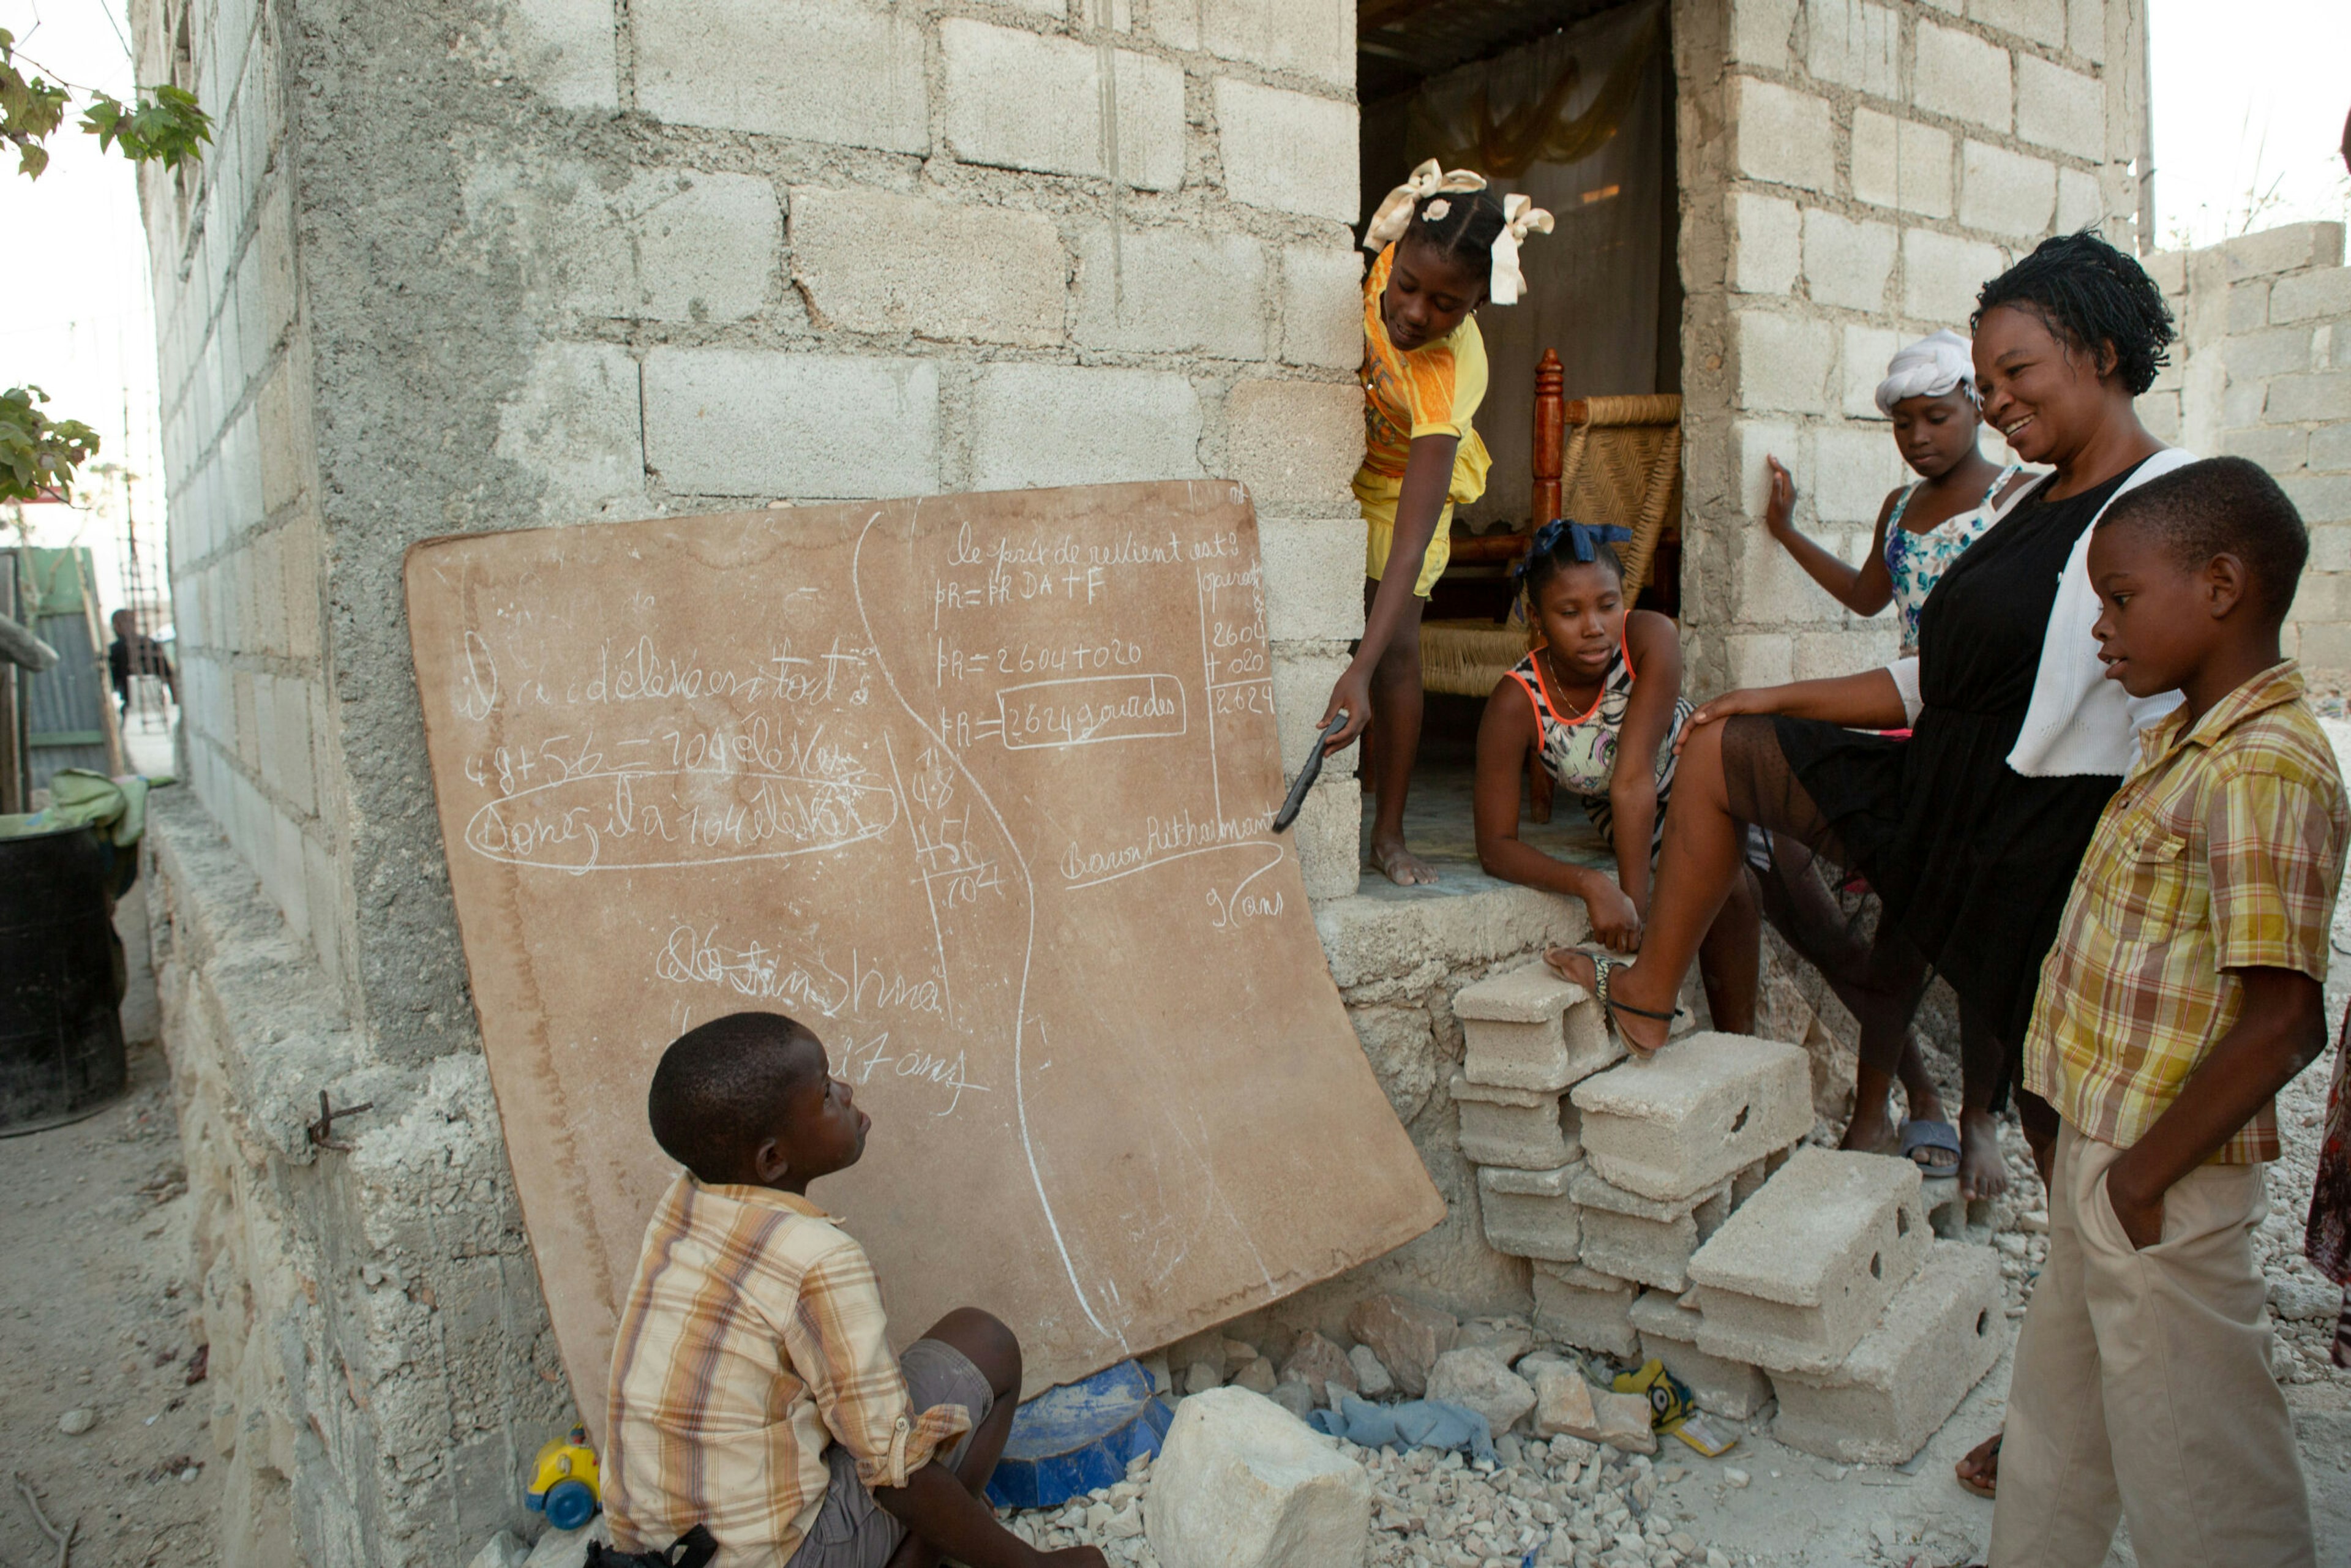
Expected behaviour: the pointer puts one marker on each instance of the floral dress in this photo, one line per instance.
(1917, 561)
(1579, 751)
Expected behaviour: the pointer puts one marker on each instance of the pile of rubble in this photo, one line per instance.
(1241, 1484)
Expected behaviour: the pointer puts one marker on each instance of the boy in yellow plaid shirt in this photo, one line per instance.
(2185, 990)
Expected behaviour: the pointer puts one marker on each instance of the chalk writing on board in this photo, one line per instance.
(981, 789)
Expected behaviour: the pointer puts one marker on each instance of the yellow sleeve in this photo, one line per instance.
(1448, 381)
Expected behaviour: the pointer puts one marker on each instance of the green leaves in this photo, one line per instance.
(161, 124)
(165, 125)
(29, 110)
(37, 452)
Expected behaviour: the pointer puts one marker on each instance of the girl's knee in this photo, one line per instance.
(987, 1343)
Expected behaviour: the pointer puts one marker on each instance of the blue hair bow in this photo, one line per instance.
(1583, 538)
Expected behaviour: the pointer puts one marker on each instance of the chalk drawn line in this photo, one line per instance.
(1028, 942)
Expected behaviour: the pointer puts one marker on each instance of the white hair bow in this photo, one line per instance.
(1520, 215)
(1395, 213)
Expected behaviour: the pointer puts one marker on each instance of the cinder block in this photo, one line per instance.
(1288, 150)
(2309, 295)
(1785, 360)
(1798, 1275)
(576, 425)
(1526, 1029)
(1856, 45)
(565, 51)
(1942, 273)
(1783, 136)
(2042, 21)
(1322, 305)
(1329, 836)
(2006, 192)
(1173, 291)
(1767, 244)
(1848, 263)
(1064, 424)
(1938, 1338)
(874, 261)
(1023, 100)
(2321, 398)
(1528, 1214)
(1303, 679)
(1962, 75)
(1852, 471)
(2086, 29)
(1516, 1127)
(1312, 37)
(1867, 351)
(670, 246)
(1641, 1239)
(2080, 202)
(1683, 1121)
(1313, 578)
(2269, 351)
(746, 421)
(1759, 32)
(2290, 248)
(1585, 1308)
(823, 71)
(2060, 108)
(1294, 443)
(1669, 1329)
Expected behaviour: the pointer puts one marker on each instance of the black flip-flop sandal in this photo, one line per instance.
(1931, 1136)
(1601, 966)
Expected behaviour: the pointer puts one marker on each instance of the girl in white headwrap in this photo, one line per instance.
(1929, 394)
(1444, 245)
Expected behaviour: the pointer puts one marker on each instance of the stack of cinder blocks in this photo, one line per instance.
(1609, 1176)
(1872, 1329)
(1669, 1214)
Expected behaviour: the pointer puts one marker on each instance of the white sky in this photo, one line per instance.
(2249, 99)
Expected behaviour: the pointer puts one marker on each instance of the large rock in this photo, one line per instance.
(1318, 1364)
(502, 1551)
(1483, 1382)
(568, 1548)
(1566, 1406)
(1240, 1483)
(1405, 1336)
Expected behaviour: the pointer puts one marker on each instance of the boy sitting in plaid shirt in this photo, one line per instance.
(753, 1389)
(2185, 990)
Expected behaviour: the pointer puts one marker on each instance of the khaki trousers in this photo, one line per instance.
(2142, 1387)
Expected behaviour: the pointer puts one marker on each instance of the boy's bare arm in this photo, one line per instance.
(2279, 1031)
(938, 1508)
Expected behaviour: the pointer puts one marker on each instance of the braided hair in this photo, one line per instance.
(2091, 297)
(1562, 543)
(1458, 225)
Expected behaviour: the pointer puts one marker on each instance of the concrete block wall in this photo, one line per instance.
(2263, 371)
(1851, 173)
(246, 536)
(527, 262)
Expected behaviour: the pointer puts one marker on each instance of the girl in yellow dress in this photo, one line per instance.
(1445, 246)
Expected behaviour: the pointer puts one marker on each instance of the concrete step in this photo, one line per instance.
(1529, 1214)
(1585, 1308)
(1643, 1238)
(1525, 1030)
(1669, 1329)
(1696, 1112)
(1524, 1129)
(1794, 1279)
(1938, 1337)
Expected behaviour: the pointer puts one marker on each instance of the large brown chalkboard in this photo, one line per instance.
(978, 787)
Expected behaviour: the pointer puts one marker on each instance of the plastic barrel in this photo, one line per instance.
(1078, 1438)
(61, 1053)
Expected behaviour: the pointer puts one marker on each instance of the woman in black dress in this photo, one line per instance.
(1972, 830)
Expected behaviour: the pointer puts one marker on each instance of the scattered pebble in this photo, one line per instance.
(74, 1423)
(1737, 1476)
